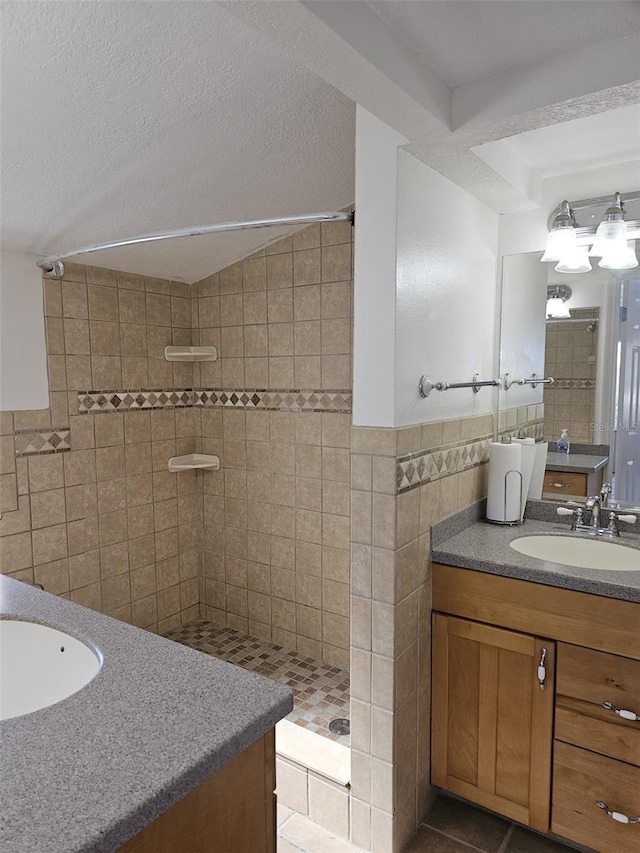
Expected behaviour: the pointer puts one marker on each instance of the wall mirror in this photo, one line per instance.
(593, 356)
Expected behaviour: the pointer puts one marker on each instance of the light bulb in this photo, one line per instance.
(560, 242)
(575, 261)
(621, 256)
(557, 308)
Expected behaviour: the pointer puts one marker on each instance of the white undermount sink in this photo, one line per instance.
(583, 553)
(40, 666)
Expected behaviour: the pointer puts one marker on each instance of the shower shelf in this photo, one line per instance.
(190, 353)
(192, 461)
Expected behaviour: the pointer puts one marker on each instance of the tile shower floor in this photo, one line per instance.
(321, 692)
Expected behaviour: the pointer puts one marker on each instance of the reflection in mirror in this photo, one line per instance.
(594, 358)
(570, 356)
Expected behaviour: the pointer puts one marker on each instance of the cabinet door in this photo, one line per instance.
(491, 721)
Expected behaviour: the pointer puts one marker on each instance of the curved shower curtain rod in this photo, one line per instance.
(55, 268)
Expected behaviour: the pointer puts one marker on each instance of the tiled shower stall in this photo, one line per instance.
(306, 554)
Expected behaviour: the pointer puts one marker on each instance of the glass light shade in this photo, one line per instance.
(620, 257)
(609, 235)
(575, 261)
(557, 308)
(560, 242)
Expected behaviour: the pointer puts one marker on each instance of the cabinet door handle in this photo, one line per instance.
(617, 816)
(626, 715)
(542, 670)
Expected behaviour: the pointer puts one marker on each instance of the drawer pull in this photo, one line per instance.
(626, 715)
(617, 816)
(542, 671)
(560, 485)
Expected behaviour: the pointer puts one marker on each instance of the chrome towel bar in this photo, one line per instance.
(534, 381)
(426, 386)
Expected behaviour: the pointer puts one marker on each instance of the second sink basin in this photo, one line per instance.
(582, 553)
(40, 666)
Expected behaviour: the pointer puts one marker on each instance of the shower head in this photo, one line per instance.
(592, 326)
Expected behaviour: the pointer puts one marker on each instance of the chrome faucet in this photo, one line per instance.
(605, 494)
(593, 503)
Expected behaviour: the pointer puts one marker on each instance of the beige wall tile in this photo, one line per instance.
(292, 786)
(329, 805)
(46, 472)
(48, 508)
(8, 493)
(53, 576)
(16, 552)
(279, 271)
(49, 543)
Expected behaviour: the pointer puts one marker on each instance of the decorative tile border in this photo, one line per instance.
(422, 467)
(35, 442)
(573, 384)
(288, 400)
(128, 401)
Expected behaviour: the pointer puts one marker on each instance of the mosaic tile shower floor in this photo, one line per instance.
(321, 692)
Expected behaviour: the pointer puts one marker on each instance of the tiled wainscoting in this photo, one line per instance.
(522, 419)
(402, 482)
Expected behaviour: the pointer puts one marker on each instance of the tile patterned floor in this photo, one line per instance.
(451, 826)
(321, 692)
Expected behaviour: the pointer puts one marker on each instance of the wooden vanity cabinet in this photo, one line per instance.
(543, 758)
(492, 717)
(231, 811)
(561, 485)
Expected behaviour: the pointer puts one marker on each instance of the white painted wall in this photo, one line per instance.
(446, 294)
(23, 356)
(527, 232)
(375, 271)
(524, 297)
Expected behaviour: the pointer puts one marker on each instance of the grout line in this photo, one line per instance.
(506, 839)
(454, 838)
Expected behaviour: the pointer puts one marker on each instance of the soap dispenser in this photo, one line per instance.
(563, 444)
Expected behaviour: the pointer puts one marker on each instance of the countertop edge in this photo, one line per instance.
(539, 576)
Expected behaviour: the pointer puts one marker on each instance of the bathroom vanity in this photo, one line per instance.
(573, 475)
(164, 750)
(525, 654)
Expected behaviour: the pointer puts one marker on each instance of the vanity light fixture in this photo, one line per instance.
(612, 241)
(557, 297)
(561, 241)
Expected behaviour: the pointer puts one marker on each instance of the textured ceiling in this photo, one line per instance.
(469, 40)
(121, 118)
(584, 143)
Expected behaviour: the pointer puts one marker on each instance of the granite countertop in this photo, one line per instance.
(90, 772)
(485, 547)
(579, 463)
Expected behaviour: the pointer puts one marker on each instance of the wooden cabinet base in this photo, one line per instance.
(491, 724)
(232, 811)
(580, 780)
